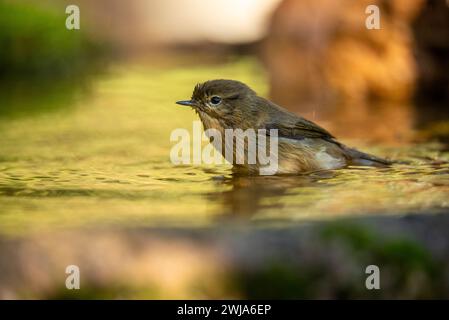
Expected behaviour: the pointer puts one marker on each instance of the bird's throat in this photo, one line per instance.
(210, 122)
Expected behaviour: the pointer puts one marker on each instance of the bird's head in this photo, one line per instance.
(228, 100)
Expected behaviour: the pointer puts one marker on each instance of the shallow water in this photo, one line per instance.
(96, 153)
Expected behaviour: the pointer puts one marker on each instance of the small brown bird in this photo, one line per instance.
(303, 146)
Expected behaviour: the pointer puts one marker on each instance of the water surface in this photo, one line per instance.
(96, 153)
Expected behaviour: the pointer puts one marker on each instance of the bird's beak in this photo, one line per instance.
(190, 103)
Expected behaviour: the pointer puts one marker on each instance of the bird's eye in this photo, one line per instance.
(215, 100)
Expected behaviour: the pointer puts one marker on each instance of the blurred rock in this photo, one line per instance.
(431, 30)
(325, 64)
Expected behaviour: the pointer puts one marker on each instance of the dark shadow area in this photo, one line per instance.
(431, 32)
(29, 97)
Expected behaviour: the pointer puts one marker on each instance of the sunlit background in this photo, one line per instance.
(86, 179)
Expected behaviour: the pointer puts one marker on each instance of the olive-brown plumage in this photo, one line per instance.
(303, 145)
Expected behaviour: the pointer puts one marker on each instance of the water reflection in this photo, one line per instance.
(250, 195)
(23, 98)
(419, 186)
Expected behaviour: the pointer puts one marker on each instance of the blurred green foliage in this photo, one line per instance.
(408, 269)
(35, 41)
(405, 253)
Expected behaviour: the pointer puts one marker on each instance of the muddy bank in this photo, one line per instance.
(315, 260)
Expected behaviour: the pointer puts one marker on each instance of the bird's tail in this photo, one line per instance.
(358, 158)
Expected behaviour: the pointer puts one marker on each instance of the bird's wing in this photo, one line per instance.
(298, 128)
(290, 125)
